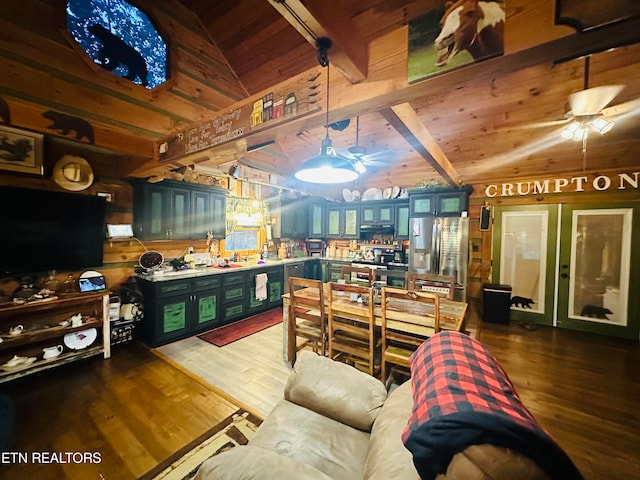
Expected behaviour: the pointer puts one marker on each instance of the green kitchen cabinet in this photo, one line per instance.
(330, 269)
(177, 211)
(177, 309)
(446, 203)
(294, 218)
(401, 220)
(275, 289)
(234, 296)
(317, 208)
(373, 214)
(343, 221)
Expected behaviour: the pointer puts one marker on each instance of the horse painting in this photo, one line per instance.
(471, 25)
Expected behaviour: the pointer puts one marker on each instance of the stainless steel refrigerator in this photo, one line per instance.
(440, 246)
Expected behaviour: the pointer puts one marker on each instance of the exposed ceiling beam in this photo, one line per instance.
(387, 84)
(408, 124)
(326, 18)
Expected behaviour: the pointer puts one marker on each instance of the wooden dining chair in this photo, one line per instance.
(408, 319)
(366, 275)
(307, 317)
(441, 285)
(352, 334)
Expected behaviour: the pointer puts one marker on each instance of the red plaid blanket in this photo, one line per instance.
(462, 397)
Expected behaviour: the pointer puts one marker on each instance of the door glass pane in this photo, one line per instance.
(523, 257)
(179, 210)
(403, 222)
(351, 222)
(334, 222)
(600, 258)
(156, 213)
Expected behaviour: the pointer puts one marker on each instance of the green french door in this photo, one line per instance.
(598, 249)
(571, 265)
(524, 257)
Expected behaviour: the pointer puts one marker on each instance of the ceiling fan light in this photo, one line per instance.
(359, 166)
(601, 125)
(570, 130)
(579, 134)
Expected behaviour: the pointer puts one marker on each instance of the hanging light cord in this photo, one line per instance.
(326, 123)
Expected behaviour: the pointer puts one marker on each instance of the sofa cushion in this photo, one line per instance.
(247, 462)
(334, 448)
(462, 397)
(488, 462)
(335, 390)
(387, 457)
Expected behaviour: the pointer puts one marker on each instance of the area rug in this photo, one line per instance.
(237, 429)
(235, 331)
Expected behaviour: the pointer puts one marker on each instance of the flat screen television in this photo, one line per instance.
(43, 230)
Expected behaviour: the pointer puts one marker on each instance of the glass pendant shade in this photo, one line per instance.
(327, 167)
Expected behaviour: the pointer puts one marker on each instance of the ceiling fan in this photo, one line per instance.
(589, 110)
(361, 158)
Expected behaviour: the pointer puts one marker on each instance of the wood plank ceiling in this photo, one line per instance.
(503, 126)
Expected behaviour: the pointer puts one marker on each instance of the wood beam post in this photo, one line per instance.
(349, 52)
(406, 121)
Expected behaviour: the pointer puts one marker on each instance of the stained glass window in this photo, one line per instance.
(119, 38)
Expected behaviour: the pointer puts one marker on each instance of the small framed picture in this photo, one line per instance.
(20, 151)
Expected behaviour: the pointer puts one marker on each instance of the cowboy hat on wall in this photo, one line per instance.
(73, 173)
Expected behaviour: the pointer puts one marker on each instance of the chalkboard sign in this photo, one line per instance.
(293, 99)
(242, 240)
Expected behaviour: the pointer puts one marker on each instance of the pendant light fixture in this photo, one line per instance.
(327, 166)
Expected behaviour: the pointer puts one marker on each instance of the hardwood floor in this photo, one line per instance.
(136, 409)
(251, 370)
(582, 388)
(129, 413)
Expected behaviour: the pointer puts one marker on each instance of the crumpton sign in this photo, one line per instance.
(623, 181)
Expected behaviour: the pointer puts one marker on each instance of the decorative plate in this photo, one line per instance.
(372, 194)
(347, 195)
(81, 339)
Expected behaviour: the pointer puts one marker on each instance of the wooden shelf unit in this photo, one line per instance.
(41, 321)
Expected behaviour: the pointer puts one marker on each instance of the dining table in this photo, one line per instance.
(452, 314)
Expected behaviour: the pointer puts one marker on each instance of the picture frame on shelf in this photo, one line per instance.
(20, 151)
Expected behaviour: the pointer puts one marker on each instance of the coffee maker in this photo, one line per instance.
(399, 255)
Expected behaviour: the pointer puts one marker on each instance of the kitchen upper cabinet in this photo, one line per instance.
(317, 209)
(439, 204)
(376, 214)
(177, 211)
(294, 218)
(343, 221)
(401, 224)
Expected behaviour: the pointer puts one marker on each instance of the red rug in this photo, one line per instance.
(243, 328)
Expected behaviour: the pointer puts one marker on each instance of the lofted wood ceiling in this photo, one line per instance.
(485, 127)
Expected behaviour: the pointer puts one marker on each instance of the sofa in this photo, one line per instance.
(336, 422)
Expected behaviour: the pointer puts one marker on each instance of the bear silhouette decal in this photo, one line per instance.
(115, 52)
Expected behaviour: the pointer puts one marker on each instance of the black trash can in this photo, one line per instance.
(496, 303)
